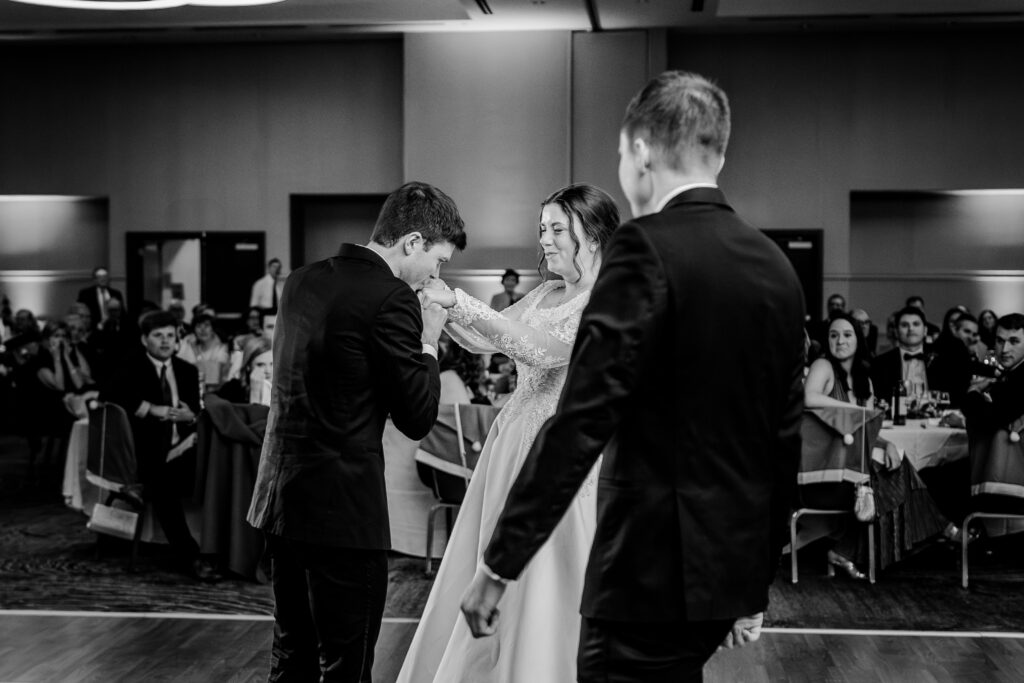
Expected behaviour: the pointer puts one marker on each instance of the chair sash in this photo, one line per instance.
(835, 444)
(997, 461)
(110, 462)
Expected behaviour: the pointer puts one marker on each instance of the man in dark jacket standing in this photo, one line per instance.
(700, 456)
(351, 346)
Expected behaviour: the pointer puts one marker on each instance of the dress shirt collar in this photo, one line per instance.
(678, 191)
(157, 363)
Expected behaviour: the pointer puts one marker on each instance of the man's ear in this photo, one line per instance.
(410, 241)
(641, 155)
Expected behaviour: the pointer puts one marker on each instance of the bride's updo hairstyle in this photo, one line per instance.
(596, 212)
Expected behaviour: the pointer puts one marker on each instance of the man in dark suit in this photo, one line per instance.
(160, 393)
(97, 295)
(686, 374)
(919, 363)
(351, 346)
(996, 403)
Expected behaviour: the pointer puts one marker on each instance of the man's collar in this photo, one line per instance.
(157, 363)
(904, 349)
(678, 191)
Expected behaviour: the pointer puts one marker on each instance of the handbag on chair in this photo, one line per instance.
(864, 505)
(113, 521)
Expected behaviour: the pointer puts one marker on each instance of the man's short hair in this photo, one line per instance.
(1011, 321)
(510, 273)
(679, 112)
(911, 299)
(273, 261)
(419, 207)
(154, 320)
(97, 269)
(911, 310)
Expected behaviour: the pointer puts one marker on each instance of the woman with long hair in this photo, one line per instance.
(537, 639)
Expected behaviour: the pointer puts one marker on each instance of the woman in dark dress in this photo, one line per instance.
(906, 512)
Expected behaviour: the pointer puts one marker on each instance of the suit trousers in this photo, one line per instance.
(647, 652)
(165, 491)
(329, 603)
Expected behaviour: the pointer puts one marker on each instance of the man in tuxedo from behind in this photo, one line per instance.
(351, 346)
(160, 393)
(98, 294)
(700, 456)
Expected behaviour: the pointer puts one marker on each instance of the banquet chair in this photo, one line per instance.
(997, 468)
(446, 457)
(111, 466)
(834, 448)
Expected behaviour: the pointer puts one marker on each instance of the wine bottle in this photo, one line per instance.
(899, 404)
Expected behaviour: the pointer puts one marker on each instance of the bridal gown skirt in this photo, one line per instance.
(538, 629)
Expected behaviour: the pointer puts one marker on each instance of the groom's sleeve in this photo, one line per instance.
(628, 297)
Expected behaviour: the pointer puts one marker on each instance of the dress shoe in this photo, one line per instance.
(204, 571)
(955, 534)
(837, 560)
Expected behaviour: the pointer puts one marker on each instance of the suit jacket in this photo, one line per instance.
(347, 352)
(947, 370)
(687, 373)
(1004, 404)
(89, 297)
(138, 381)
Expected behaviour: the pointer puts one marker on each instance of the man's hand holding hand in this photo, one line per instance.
(434, 318)
(746, 630)
(480, 604)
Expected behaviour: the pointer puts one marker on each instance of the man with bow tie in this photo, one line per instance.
(919, 365)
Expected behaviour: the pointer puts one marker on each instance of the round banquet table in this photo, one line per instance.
(927, 445)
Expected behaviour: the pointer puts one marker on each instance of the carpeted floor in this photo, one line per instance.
(48, 561)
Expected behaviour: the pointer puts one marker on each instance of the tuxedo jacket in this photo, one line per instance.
(347, 352)
(1003, 405)
(947, 370)
(138, 381)
(88, 297)
(687, 374)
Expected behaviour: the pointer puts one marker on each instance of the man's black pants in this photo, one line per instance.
(328, 607)
(647, 652)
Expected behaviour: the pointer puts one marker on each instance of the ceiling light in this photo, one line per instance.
(140, 4)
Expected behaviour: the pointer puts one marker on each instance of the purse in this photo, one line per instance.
(113, 521)
(864, 504)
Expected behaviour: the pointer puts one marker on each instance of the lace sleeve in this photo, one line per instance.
(519, 341)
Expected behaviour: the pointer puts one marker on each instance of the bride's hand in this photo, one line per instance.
(433, 295)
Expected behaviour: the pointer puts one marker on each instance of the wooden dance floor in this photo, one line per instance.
(68, 646)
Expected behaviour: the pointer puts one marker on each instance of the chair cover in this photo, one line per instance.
(110, 463)
(997, 461)
(824, 455)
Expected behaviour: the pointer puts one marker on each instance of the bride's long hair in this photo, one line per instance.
(593, 208)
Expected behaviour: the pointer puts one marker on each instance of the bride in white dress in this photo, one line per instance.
(538, 634)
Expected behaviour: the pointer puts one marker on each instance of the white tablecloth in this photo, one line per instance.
(925, 445)
(409, 500)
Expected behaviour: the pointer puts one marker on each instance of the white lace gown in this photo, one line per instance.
(538, 631)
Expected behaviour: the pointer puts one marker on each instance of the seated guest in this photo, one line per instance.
(907, 513)
(920, 366)
(868, 330)
(993, 404)
(24, 321)
(987, 321)
(253, 330)
(95, 297)
(967, 332)
(204, 349)
(160, 393)
(257, 369)
(835, 305)
(509, 295)
(461, 373)
(931, 330)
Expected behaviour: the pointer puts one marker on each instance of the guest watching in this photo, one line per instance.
(994, 404)
(839, 379)
(868, 330)
(98, 294)
(255, 374)
(266, 291)
(966, 330)
(504, 299)
(920, 366)
(253, 330)
(987, 321)
(160, 393)
(205, 350)
(931, 331)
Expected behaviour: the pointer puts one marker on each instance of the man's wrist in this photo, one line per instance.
(430, 348)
